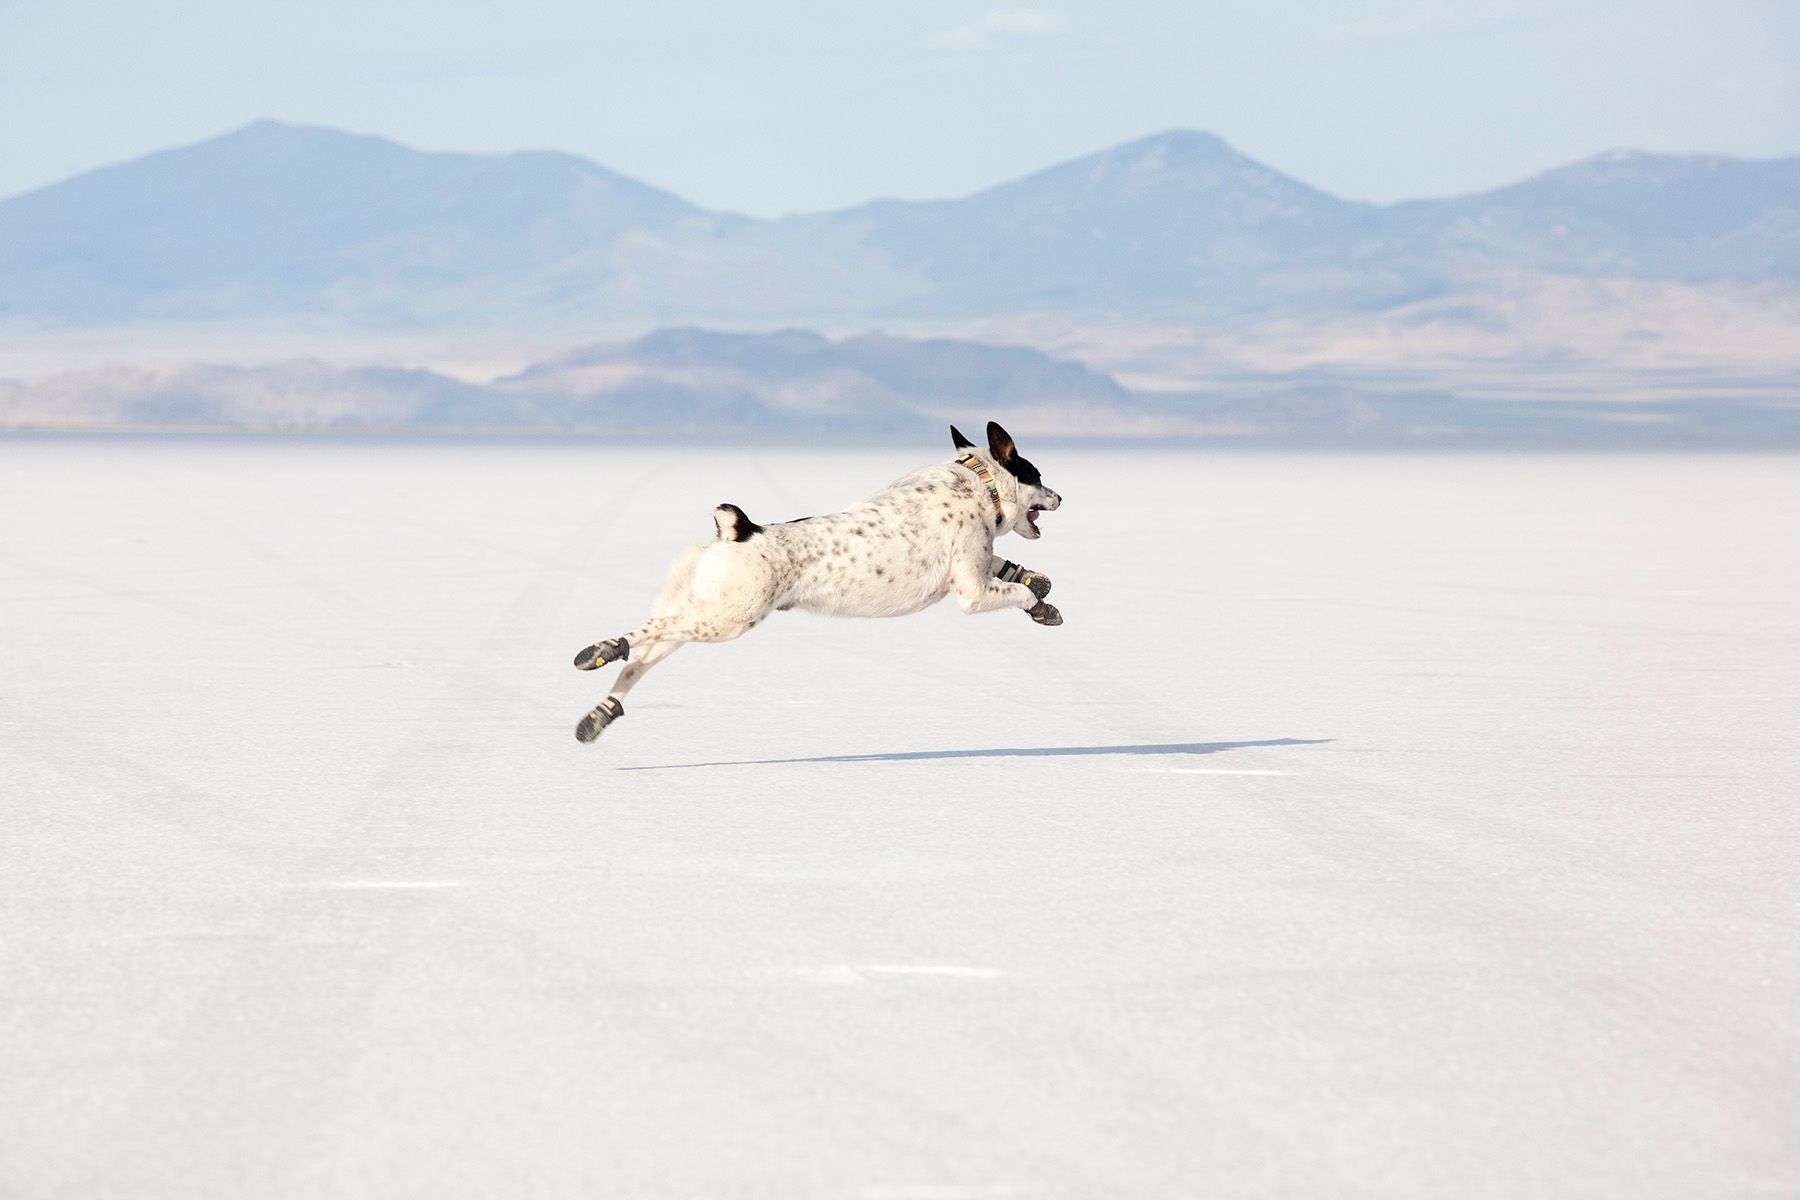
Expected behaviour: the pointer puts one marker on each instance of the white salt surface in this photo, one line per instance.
(1376, 826)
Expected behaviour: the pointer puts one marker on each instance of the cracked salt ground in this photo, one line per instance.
(1397, 826)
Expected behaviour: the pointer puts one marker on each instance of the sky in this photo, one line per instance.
(808, 105)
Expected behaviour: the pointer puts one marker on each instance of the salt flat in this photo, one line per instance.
(1376, 826)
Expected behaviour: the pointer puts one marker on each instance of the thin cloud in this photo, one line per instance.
(1417, 22)
(1002, 30)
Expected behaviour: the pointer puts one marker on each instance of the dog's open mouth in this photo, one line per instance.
(1031, 514)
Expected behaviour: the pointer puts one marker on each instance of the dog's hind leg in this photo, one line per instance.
(678, 628)
(658, 637)
(714, 594)
(600, 653)
(628, 678)
(613, 707)
(597, 719)
(682, 628)
(672, 599)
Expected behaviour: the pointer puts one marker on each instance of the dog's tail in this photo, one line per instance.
(733, 525)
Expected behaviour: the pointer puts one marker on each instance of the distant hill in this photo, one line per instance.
(798, 386)
(277, 217)
(1694, 219)
(676, 381)
(281, 221)
(799, 380)
(1172, 223)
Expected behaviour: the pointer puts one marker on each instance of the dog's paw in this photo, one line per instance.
(1037, 581)
(603, 714)
(601, 653)
(1044, 613)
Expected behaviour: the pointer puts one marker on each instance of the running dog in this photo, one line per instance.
(900, 551)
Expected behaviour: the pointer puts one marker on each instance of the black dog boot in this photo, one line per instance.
(1044, 613)
(601, 653)
(604, 714)
(1037, 581)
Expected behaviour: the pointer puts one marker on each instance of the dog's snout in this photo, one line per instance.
(1052, 500)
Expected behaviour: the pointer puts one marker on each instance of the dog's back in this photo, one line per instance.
(886, 556)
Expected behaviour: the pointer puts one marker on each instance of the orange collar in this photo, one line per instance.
(975, 463)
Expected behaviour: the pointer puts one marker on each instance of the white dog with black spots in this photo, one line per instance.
(925, 536)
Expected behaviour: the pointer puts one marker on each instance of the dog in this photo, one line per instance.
(901, 550)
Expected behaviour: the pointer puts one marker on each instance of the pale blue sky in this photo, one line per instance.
(808, 105)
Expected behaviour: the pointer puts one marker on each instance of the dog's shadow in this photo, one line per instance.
(997, 752)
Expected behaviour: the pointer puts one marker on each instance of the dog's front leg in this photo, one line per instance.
(1012, 572)
(985, 594)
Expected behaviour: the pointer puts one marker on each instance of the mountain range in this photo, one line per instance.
(281, 221)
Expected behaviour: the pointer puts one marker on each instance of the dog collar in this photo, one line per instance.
(975, 464)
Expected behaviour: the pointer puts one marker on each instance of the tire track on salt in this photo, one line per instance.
(319, 940)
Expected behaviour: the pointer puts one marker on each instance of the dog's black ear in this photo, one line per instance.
(959, 441)
(1001, 443)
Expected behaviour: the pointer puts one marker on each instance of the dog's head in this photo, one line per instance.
(1032, 496)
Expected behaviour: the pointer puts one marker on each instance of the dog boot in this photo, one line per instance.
(604, 714)
(1037, 581)
(1044, 612)
(601, 653)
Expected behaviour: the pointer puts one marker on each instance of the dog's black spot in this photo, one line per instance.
(1024, 471)
(880, 571)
